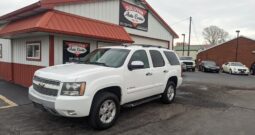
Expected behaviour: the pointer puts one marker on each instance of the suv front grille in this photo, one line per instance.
(188, 63)
(242, 70)
(46, 81)
(44, 90)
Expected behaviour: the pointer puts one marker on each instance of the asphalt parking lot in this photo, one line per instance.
(211, 104)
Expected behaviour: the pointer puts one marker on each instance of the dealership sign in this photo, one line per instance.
(77, 48)
(74, 51)
(133, 16)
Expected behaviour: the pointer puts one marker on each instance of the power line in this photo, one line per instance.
(195, 30)
(180, 21)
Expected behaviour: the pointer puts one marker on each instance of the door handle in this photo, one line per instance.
(148, 74)
(165, 71)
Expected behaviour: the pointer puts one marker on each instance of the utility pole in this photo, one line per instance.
(237, 43)
(183, 44)
(190, 20)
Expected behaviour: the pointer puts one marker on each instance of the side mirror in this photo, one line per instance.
(136, 65)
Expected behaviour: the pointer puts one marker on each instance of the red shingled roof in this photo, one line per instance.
(64, 23)
(49, 4)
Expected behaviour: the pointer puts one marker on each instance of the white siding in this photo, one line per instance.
(148, 41)
(105, 44)
(6, 50)
(108, 10)
(58, 43)
(105, 10)
(19, 51)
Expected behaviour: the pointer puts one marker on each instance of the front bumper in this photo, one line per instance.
(190, 66)
(212, 69)
(62, 105)
(240, 72)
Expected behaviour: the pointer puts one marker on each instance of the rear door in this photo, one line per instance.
(159, 70)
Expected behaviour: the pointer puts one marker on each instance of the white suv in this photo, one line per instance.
(105, 80)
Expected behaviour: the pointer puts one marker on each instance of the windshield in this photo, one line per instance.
(186, 58)
(211, 63)
(107, 57)
(237, 64)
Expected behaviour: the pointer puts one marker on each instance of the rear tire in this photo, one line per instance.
(169, 94)
(104, 110)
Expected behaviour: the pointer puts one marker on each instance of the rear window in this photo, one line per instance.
(172, 58)
(157, 59)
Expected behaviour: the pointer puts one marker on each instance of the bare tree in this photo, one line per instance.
(215, 35)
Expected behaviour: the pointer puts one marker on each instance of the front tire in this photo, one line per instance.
(230, 71)
(169, 94)
(104, 110)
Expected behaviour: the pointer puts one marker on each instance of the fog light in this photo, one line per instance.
(70, 112)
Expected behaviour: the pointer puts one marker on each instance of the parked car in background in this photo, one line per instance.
(189, 62)
(208, 66)
(252, 70)
(235, 68)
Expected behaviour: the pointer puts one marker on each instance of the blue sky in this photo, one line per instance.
(227, 14)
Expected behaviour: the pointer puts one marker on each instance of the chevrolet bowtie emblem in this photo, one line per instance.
(41, 84)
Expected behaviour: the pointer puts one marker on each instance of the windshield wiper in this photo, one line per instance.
(98, 63)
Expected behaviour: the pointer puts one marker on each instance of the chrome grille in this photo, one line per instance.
(44, 90)
(188, 63)
(46, 81)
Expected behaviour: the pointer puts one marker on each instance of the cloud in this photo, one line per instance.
(7, 6)
(229, 15)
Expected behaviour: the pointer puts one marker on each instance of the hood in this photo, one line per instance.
(212, 66)
(69, 72)
(187, 61)
(239, 67)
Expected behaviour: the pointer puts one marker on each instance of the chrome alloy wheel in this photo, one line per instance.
(170, 93)
(107, 111)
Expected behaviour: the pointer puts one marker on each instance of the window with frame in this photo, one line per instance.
(172, 58)
(157, 59)
(1, 51)
(34, 51)
(140, 55)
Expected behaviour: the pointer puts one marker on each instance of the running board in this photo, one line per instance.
(141, 101)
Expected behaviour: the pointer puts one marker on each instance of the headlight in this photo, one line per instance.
(73, 89)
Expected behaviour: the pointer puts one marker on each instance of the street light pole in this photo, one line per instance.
(183, 44)
(190, 20)
(237, 43)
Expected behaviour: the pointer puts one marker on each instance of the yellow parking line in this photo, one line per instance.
(7, 101)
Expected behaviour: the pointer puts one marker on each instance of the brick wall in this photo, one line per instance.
(226, 52)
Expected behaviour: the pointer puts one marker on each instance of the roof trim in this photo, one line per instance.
(225, 43)
(75, 25)
(175, 35)
(21, 10)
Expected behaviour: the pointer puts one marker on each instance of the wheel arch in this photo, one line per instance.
(174, 79)
(111, 89)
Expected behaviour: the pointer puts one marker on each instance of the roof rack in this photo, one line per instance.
(142, 45)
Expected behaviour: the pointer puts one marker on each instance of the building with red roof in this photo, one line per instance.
(41, 33)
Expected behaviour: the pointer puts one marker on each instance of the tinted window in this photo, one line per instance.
(140, 55)
(186, 58)
(157, 58)
(172, 58)
(107, 57)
